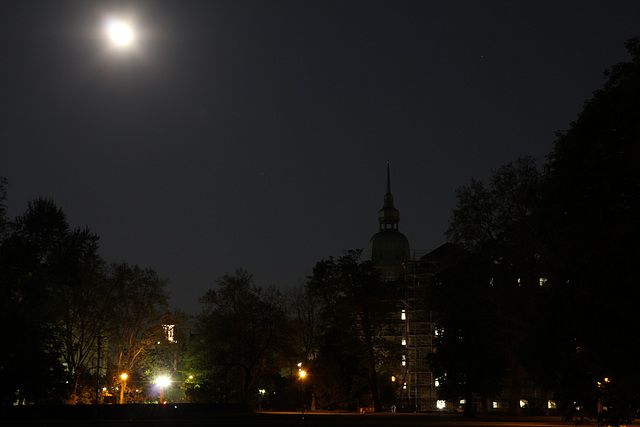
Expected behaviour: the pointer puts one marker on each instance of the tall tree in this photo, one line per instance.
(591, 212)
(30, 274)
(138, 312)
(83, 299)
(497, 223)
(355, 309)
(305, 323)
(238, 332)
(167, 356)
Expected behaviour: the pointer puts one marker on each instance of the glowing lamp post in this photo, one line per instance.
(163, 383)
(123, 377)
(302, 373)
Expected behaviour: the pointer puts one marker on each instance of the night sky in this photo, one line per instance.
(255, 134)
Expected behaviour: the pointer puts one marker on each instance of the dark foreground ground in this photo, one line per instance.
(204, 415)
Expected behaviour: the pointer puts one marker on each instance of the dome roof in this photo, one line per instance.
(388, 248)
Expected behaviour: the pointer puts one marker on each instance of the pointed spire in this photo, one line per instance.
(388, 197)
(388, 216)
(389, 248)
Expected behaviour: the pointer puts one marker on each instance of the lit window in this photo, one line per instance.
(543, 281)
(496, 405)
(168, 332)
(463, 401)
(523, 403)
(551, 404)
(436, 383)
(404, 342)
(441, 404)
(403, 316)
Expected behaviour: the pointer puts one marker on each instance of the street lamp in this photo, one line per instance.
(122, 387)
(162, 382)
(261, 392)
(302, 373)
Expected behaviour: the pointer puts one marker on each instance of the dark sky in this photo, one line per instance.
(255, 134)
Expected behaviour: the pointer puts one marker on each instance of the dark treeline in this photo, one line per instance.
(251, 344)
(545, 290)
(64, 307)
(541, 291)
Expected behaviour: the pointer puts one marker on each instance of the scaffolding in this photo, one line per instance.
(418, 331)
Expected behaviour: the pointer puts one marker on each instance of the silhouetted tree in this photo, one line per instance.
(591, 213)
(30, 275)
(57, 296)
(237, 336)
(83, 300)
(166, 356)
(497, 223)
(355, 314)
(305, 323)
(137, 315)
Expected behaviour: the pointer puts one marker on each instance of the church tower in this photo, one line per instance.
(389, 248)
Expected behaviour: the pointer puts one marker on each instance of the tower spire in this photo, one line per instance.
(388, 197)
(388, 216)
(389, 248)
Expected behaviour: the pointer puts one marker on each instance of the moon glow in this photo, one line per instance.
(120, 33)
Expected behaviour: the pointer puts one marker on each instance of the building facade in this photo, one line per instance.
(412, 325)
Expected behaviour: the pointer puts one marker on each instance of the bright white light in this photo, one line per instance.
(163, 381)
(119, 32)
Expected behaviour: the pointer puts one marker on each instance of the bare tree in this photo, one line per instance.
(140, 305)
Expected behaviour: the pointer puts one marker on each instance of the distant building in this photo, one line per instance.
(390, 250)
(415, 329)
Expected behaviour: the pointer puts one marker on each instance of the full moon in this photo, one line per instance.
(120, 33)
